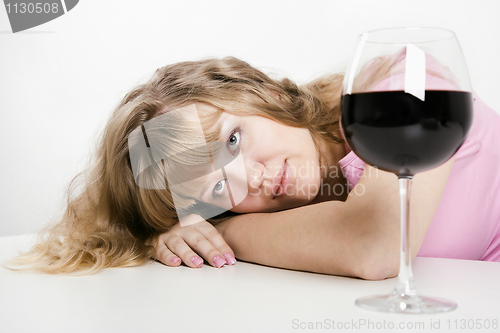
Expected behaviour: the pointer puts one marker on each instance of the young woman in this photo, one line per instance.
(311, 203)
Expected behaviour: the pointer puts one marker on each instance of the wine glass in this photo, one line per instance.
(406, 108)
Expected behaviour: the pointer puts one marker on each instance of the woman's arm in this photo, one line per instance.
(358, 237)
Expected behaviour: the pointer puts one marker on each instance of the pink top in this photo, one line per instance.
(467, 222)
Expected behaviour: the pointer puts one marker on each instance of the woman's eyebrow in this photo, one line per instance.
(204, 192)
(228, 187)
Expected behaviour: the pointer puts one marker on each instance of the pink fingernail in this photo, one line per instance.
(218, 261)
(175, 260)
(197, 261)
(230, 259)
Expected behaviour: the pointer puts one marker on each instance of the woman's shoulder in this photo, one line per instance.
(352, 166)
(467, 205)
(484, 134)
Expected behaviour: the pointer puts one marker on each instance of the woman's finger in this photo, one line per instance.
(214, 237)
(177, 245)
(199, 243)
(165, 256)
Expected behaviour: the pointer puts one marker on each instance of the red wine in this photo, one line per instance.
(400, 133)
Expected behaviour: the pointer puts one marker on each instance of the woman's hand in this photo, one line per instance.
(184, 243)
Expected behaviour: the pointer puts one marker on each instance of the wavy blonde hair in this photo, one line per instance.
(109, 221)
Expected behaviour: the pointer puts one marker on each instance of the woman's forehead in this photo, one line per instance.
(197, 113)
(208, 116)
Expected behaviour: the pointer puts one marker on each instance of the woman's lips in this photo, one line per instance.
(281, 181)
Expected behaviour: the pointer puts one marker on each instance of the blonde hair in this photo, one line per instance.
(109, 221)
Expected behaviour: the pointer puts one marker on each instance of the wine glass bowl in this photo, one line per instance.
(406, 108)
(405, 135)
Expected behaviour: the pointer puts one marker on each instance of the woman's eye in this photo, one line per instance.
(233, 142)
(219, 187)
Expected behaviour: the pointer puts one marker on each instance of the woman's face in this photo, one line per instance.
(279, 166)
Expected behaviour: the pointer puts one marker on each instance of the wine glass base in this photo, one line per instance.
(401, 303)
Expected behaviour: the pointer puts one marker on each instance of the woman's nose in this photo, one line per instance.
(245, 177)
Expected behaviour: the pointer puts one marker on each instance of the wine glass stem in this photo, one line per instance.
(405, 285)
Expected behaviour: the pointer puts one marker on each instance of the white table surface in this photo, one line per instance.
(240, 298)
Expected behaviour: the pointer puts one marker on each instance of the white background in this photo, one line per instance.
(60, 81)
